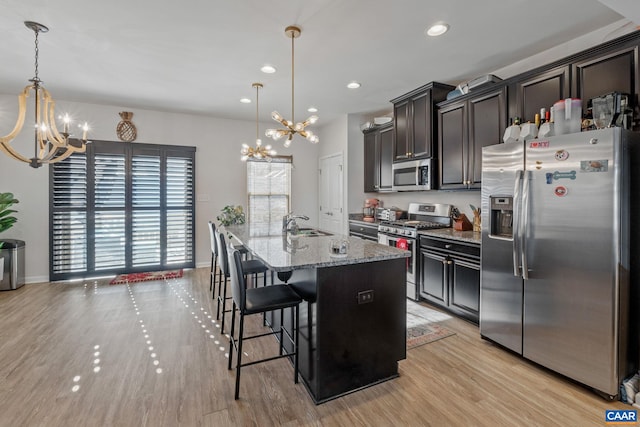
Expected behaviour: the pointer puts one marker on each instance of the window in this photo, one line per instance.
(120, 208)
(269, 191)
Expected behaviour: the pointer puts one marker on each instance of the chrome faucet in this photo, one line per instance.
(289, 222)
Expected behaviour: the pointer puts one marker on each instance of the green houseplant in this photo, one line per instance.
(6, 220)
(231, 215)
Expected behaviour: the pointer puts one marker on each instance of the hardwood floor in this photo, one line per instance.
(148, 354)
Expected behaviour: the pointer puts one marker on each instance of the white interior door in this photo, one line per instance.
(331, 194)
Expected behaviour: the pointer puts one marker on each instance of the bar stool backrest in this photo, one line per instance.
(238, 285)
(222, 253)
(212, 236)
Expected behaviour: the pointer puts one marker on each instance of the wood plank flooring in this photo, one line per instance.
(151, 354)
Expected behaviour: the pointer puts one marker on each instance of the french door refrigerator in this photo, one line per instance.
(556, 258)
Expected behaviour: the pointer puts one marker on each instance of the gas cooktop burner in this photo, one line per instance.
(418, 225)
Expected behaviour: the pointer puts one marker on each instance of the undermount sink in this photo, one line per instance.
(311, 232)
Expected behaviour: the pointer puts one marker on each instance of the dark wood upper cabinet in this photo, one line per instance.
(541, 90)
(612, 71)
(371, 149)
(378, 154)
(421, 125)
(386, 158)
(415, 122)
(401, 117)
(487, 122)
(452, 123)
(466, 126)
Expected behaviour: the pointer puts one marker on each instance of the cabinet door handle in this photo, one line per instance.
(449, 262)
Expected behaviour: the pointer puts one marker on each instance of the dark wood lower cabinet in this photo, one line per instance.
(450, 276)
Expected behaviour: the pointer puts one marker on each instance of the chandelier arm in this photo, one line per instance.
(53, 157)
(6, 148)
(22, 111)
(53, 136)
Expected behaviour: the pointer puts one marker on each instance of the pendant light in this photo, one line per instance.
(50, 145)
(290, 126)
(259, 152)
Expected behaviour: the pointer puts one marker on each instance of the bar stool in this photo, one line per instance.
(252, 266)
(308, 292)
(255, 301)
(213, 279)
(216, 274)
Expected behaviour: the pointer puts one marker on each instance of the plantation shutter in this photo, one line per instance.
(121, 208)
(269, 191)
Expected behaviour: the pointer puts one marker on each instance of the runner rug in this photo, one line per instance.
(145, 277)
(422, 325)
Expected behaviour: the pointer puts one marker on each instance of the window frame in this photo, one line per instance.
(275, 160)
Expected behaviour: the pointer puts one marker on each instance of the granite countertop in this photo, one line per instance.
(288, 252)
(450, 233)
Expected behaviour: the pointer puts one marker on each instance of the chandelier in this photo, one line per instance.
(291, 127)
(259, 152)
(50, 145)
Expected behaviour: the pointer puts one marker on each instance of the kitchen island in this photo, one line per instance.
(354, 333)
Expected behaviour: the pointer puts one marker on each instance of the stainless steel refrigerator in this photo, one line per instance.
(556, 259)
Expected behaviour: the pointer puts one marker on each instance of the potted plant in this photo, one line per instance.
(231, 215)
(6, 220)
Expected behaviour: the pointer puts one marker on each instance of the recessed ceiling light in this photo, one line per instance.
(269, 69)
(312, 109)
(353, 85)
(437, 29)
(245, 100)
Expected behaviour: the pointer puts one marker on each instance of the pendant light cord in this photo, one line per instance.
(293, 120)
(257, 104)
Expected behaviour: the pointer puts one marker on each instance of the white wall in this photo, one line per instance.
(220, 175)
(334, 141)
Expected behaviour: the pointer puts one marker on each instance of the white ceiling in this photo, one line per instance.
(201, 56)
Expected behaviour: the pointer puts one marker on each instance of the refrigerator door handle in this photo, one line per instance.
(517, 207)
(524, 228)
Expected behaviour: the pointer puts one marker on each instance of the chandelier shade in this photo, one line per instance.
(50, 145)
(290, 127)
(259, 152)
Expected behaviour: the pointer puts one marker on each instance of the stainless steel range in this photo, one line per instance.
(404, 234)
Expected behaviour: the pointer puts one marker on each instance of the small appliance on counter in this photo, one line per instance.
(611, 110)
(369, 210)
(390, 214)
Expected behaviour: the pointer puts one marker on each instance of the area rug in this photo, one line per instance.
(145, 277)
(422, 325)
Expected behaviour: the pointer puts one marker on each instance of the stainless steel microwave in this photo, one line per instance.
(414, 175)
